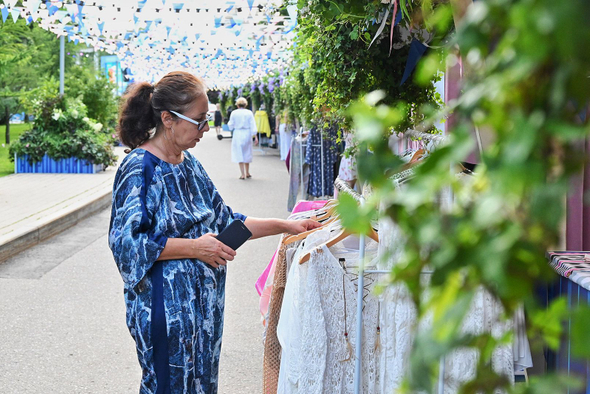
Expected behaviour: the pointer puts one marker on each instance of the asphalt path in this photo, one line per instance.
(61, 302)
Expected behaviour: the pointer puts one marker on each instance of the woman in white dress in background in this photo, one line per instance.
(241, 121)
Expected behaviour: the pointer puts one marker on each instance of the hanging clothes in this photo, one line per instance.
(317, 326)
(301, 206)
(262, 122)
(272, 347)
(347, 170)
(285, 135)
(298, 173)
(321, 172)
(399, 324)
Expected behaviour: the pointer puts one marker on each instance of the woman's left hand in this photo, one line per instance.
(299, 226)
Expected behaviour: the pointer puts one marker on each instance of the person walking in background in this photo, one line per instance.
(242, 122)
(217, 121)
(166, 214)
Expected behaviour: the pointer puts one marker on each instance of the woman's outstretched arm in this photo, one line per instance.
(264, 227)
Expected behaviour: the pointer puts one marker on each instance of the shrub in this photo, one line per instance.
(62, 129)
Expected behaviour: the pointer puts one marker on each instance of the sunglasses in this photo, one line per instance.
(200, 124)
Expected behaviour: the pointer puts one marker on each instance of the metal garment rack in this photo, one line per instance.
(344, 187)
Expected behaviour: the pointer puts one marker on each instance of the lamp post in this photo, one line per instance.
(62, 63)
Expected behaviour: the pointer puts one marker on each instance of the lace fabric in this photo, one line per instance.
(398, 320)
(321, 360)
(287, 332)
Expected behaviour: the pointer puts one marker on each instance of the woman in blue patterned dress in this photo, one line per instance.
(166, 213)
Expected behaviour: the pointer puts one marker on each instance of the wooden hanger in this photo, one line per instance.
(322, 215)
(418, 155)
(338, 238)
(298, 237)
(329, 208)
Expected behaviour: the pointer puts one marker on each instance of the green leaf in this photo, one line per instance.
(353, 218)
(580, 339)
(549, 322)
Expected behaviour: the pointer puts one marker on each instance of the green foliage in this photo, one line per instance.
(525, 76)
(62, 129)
(29, 54)
(95, 91)
(335, 65)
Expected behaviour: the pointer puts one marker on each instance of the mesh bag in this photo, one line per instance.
(272, 347)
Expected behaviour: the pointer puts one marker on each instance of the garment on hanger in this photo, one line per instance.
(398, 321)
(347, 170)
(320, 302)
(272, 346)
(262, 123)
(574, 265)
(321, 172)
(285, 134)
(264, 283)
(297, 165)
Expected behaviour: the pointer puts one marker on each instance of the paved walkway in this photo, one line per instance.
(61, 300)
(34, 207)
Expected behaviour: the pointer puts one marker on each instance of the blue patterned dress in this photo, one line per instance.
(321, 171)
(174, 307)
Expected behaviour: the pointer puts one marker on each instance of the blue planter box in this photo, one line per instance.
(50, 166)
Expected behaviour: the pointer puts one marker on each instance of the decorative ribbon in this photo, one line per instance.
(393, 23)
(383, 22)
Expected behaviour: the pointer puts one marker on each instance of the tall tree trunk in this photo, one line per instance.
(7, 126)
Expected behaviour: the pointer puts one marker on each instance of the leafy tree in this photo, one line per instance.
(29, 55)
(12, 57)
(96, 92)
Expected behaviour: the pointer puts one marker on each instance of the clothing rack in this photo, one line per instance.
(259, 147)
(344, 187)
(301, 161)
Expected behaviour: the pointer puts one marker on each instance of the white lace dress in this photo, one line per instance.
(317, 356)
(398, 321)
(289, 328)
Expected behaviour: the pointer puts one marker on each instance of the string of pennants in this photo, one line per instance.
(224, 41)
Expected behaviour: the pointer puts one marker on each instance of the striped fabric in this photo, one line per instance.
(574, 265)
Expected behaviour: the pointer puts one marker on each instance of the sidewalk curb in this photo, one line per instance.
(54, 226)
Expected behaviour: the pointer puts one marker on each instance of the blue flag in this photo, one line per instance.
(417, 50)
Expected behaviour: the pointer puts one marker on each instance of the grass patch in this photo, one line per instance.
(6, 165)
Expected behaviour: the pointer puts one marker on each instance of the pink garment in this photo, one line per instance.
(304, 205)
(261, 282)
(264, 283)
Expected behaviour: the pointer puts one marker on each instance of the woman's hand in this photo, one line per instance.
(299, 226)
(256, 140)
(213, 252)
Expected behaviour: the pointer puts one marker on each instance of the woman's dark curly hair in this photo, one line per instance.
(143, 103)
